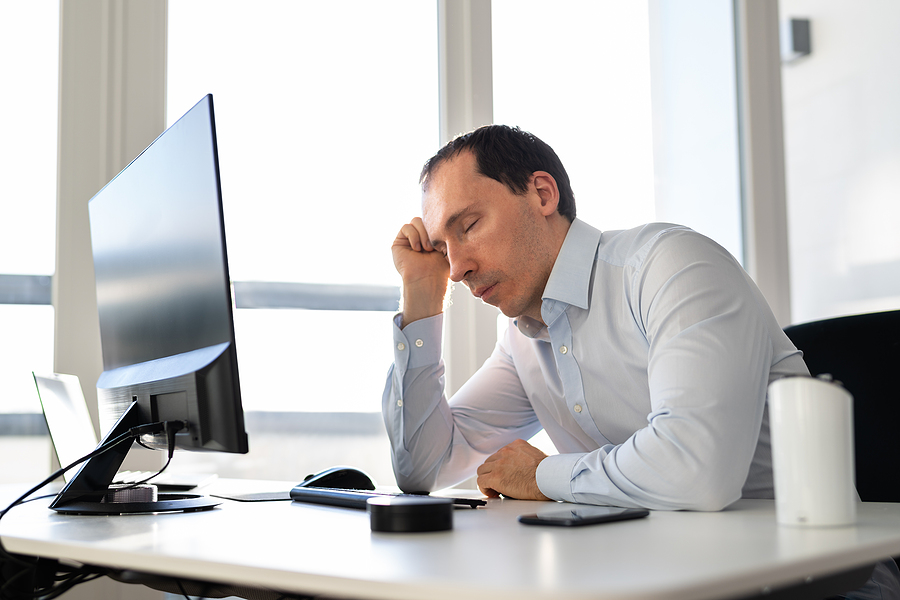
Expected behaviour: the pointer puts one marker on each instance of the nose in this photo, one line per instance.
(461, 264)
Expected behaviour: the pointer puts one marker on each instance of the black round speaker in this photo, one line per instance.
(401, 514)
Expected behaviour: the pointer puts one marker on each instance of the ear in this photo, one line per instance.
(546, 188)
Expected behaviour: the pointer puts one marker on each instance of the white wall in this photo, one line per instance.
(842, 153)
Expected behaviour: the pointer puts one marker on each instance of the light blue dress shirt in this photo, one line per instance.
(650, 378)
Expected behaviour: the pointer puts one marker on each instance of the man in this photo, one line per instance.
(645, 354)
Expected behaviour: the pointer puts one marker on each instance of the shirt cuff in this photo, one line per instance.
(419, 343)
(554, 476)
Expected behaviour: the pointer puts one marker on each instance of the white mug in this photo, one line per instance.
(811, 421)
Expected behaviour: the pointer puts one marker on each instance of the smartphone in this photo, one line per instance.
(574, 515)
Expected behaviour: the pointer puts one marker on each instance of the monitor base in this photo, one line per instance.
(165, 503)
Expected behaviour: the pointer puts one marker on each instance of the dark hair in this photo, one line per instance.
(510, 156)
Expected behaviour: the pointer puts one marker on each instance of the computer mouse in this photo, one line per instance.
(345, 478)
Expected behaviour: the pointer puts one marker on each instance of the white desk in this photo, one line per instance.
(316, 549)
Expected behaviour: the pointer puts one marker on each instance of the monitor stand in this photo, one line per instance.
(84, 494)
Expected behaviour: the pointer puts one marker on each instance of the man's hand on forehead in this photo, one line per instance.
(413, 235)
(425, 272)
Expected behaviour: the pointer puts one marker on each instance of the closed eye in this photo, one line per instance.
(469, 228)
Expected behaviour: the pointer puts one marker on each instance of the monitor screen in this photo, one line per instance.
(163, 290)
(165, 306)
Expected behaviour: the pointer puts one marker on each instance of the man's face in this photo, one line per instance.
(497, 243)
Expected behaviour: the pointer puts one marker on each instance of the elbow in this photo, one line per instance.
(420, 473)
(414, 485)
(411, 476)
(412, 481)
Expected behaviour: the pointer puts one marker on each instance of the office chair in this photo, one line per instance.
(863, 353)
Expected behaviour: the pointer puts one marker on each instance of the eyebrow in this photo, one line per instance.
(451, 220)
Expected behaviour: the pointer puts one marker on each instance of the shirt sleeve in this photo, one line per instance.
(436, 443)
(710, 352)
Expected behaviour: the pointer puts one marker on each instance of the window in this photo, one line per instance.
(577, 75)
(29, 45)
(325, 113)
(695, 119)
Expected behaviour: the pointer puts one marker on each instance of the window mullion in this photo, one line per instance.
(466, 102)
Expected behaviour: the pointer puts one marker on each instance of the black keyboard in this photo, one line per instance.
(357, 498)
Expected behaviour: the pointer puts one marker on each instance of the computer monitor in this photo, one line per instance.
(164, 301)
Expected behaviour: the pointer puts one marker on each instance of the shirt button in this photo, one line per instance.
(400, 402)
(419, 343)
(578, 408)
(401, 346)
(563, 349)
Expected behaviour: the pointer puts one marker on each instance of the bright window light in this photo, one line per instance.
(29, 70)
(325, 112)
(577, 75)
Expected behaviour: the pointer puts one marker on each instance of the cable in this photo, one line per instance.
(44, 497)
(182, 590)
(64, 578)
(99, 450)
(171, 428)
(27, 566)
(149, 428)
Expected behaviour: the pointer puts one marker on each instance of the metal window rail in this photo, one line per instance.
(256, 422)
(25, 289)
(35, 289)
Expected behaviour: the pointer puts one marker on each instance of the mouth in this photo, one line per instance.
(483, 292)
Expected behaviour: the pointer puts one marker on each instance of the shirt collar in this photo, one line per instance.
(570, 279)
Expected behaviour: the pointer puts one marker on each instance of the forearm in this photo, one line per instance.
(434, 443)
(416, 464)
(696, 450)
(677, 462)
(428, 450)
(422, 299)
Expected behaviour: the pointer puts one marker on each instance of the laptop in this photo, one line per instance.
(73, 436)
